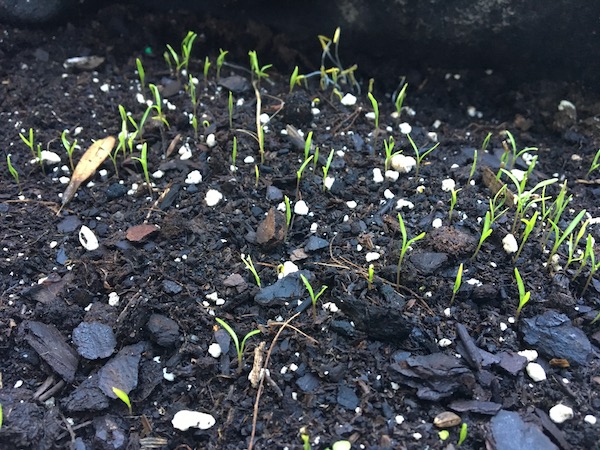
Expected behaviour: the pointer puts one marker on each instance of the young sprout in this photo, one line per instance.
(325, 168)
(181, 62)
(486, 231)
(256, 175)
(375, 109)
(230, 109)
(307, 144)
(143, 160)
(523, 296)
(295, 79)
(260, 132)
(420, 156)
(589, 249)
(462, 435)
(69, 147)
(511, 153)
(288, 211)
(406, 243)
(595, 164)
(316, 158)
(258, 72)
(13, 172)
(491, 216)
(370, 275)
(29, 142)
(594, 266)
(157, 105)
(558, 237)
(122, 395)
(1, 416)
(233, 154)
(205, 70)
(388, 147)
(473, 166)
(247, 260)
(371, 85)
(220, 62)
(399, 99)
(311, 292)
(486, 142)
(529, 225)
(457, 283)
(239, 346)
(141, 74)
(453, 199)
(300, 171)
(573, 243)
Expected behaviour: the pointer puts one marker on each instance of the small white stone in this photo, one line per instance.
(590, 419)
(315, 111)
(185, 419)
(405, 128)
(417, 436)
(185, 152)
(566, 104)
(288, 267)
(194, 177)
(293, 367)
(560, 413)
(437, 223)
(530, 355)
(444, 342)
(50, 157)
(503, 326)
(211, 140)
(213, 197)
(351, 204)
(471, 111)
(370, 115)
(331, 307)
(448, 184)
(518, 174)
(64, 180)
(249, 160)
(510, 244)
(402, 203)
(447, 312)
(158, 174)
(402, 163)
(536, 372)
(301, 208)
(348, 100)
(88, 239)
(399, 419)
(214, 350)
(105, 87)
(436, 124)
(264, 118)
(377, 176)
(372, 256)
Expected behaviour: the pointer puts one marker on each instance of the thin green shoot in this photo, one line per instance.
(589, 249)
(388, 147)
(220, 62)
(69, 147)
(523, 295)
(239, 346)
(457, 283)
(591, 323)
(573, 244)
(256, 175)
(206, 67)
(453, 199)
(399, 100)
(314, 297)
(143, 160)
(512, 153)
(375, 106)
(230, 109)
(30, 142)
(307, 144)
(473, 166)
(157, 105)
(326, 167)
(420, 156)
(462, 436)
(300, 171)
(178, 62)
(258, 72)
(186, 48)
(260, 132)
(296, 79)
(316, 158)
(141, 74)
(122, 395)
(594, 266)
(486, 231)
(406, 243)
(595, 164)
(529, 225)
(191, 88)
(234, 154)
(305, 441)
(370, 275)
(288, 212)
(13, 172)
(371, 85)
(486, 142)
(247, 260)
(558, 237)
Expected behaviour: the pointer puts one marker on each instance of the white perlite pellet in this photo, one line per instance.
(536, 372)
(560, 413)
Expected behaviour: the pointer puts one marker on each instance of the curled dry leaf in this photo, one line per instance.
(87, 166)
(140, 232)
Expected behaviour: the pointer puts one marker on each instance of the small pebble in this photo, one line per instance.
(536, 372)
(560, 413)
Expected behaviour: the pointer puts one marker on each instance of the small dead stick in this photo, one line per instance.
(262, 380)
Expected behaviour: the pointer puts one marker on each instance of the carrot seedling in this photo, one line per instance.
(523, 296)
(122, 395)
(311, 292)
(13, 172)
(239, 346)
(457, 283)
(406, 243)
(247, 260)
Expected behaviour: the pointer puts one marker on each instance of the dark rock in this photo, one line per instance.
(308, 383)
(163, 330)
(121, 371)
(553, 336)
(347, 398)
(49, 343)
(116, 190)
(513, 363)
(171, 288)
(315, 243)
(94, 340)
(86, 397)
(343, 327)
(274, 194)
(235, 84)
(428, 262)
(33, 11)
(391, 296)
(69, 224)
(476, 406)
(108, 434)
(284, 290)
(511, 432)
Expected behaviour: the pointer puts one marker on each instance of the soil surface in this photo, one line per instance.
(378, 358)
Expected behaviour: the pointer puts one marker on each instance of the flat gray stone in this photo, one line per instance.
(511, 432)
(94, 340)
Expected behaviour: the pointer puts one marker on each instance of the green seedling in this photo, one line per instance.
(157, 106)
(307, 144)
(406, 243)
(457, 283)
(594, 266)
(141, 74)
(234, 154)
(311, 292)
(288, 211)
(511, 153)
(399, 99)
(13, 172)
(523, 296)
(420, 156)
(180, 61)
(589, 249)
(122, 395)
(260, 132)
(473, 167)
(230, 109)
(69, 147)
(316, 158)
(256, 175)
(258, 72)
(595, 164)
(336, 75)
(29, 142)
(490, 217)
(326, 167)
(486, 142)
(486, 231)
(299, 173)
(305, 441)
(371, 85)
(206, 67)
(143, 160)
(239, 346)
(462, 435)
(191, 89)
(573, 244)
(591, 323)
(195, 126)
(375, 106)
(220, 62)
(453, 199)
(558, 237)
(296, 79)
(444, 434)
(247, 260)
(388, 147)
(370, 275)
(529, 225)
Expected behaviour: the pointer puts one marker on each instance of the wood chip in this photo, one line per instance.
(138, 233)
(447, 419)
